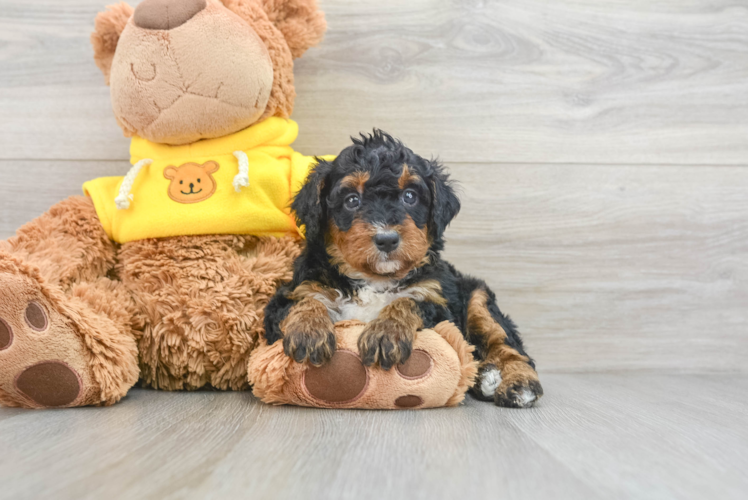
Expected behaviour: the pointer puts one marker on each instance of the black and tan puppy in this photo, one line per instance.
(375, 219)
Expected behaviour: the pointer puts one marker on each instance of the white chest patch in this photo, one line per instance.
(367, 304)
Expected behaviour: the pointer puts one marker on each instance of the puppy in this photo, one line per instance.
(375, 219)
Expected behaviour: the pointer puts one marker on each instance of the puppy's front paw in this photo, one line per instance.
(385, 342)
(318, 346)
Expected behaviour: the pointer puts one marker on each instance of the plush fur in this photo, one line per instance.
(180, 313)
(107, 29)
(375, 219)
(161, 78)
(201, 299)
(278, 379)
(60, 261)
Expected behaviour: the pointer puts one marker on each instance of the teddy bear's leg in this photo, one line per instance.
(65, 328)
(204, 300)
(506, 375)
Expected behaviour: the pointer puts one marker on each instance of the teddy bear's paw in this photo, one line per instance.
(42, 360)
(343, 380)
(385, 343)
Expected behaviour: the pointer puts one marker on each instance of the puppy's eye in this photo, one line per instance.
(410, 197)
(181, 182)
(352, 202)
(198, 180)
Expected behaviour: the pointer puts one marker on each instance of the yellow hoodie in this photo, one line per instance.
(238, 184)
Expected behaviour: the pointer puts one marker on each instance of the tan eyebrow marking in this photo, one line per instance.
(407, 178)
(356, 181)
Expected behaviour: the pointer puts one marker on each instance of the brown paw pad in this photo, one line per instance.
(418, 365)
(343, 380)
(408, 401)
(49, 384)
(6, 335)
(36, 317)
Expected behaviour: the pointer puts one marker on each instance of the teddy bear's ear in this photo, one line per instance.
(301, 21)
(108, 27)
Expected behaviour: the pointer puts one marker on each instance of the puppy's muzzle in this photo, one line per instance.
(387, 242)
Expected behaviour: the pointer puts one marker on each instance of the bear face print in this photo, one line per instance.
(192, 182)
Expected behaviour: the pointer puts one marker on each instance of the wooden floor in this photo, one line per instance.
(608, 436)
(602, 152)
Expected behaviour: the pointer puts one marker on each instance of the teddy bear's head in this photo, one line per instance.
(184, 70)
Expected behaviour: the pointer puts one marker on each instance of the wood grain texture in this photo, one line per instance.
(580, 81)
(602, 267)
(613, 267)
(29, 188)
(601, 148)
(592, 436)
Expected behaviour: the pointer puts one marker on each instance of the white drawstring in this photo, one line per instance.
(242, 178)
(123, 200)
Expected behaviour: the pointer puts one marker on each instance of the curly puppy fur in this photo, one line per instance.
(375, 219)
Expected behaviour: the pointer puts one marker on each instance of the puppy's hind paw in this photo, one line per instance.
(486, 383)
(521, 394)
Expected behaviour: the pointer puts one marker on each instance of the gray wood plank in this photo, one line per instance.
(29, 188)
(620, 267)
(681, 424)
(592, 436)
(602, 267)
(512, 81)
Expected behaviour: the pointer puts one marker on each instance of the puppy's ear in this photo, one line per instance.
(444, 203)
(302, 23)
(107, 29)
(310, 205)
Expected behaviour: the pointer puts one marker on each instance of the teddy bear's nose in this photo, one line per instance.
(166, 14)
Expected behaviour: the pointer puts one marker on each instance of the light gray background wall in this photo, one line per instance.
(601, 148)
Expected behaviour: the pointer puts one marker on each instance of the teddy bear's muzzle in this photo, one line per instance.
(166, 14)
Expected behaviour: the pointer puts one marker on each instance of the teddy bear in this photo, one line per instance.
(438, 373)
(163, 275)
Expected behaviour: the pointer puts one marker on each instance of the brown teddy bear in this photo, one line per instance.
(163, 274)
(437, 373)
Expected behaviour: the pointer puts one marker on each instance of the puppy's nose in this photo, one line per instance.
(387, 242)
(166, 14)
(192, 186)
